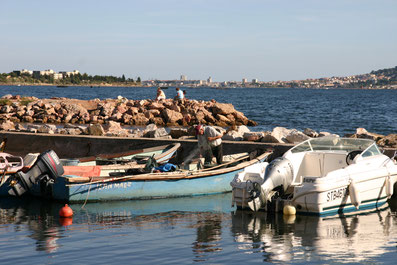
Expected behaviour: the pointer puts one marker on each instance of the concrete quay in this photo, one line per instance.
(73, 146)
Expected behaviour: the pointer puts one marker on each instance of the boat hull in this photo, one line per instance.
(132, 189)
(77, 188)
(330, 199)
(146, 189)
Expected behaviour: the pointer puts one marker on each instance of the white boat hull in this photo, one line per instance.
(323, 182)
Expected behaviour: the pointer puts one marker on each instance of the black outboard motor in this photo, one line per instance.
(45, 170)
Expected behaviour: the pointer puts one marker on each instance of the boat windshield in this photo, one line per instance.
(333, 144)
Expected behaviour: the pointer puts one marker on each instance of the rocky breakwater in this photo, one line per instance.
(166, 113)
(107, 117)
(294, 136)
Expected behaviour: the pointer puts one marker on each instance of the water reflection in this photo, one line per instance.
(344, 239)
(41, 219)
(208, 226)
(209, 229)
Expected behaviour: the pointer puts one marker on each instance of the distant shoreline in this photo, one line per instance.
(129, 85)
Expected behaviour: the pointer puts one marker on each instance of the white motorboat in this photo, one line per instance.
(323, 176)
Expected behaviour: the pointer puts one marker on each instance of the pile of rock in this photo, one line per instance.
(106, 118)
(126, 112)
(293, 136)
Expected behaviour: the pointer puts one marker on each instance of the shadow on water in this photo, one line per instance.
(210, 229)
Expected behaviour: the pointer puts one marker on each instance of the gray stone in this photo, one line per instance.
(95, 129)
(295, 136)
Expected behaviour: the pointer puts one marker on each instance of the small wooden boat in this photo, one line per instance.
(161, 154)
(13, 168)
(121, 182)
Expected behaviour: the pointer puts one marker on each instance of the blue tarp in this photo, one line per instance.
(166, 167)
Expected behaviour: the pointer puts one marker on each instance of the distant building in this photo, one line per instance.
(25, 71)
(47, 72)
(36, 74)
(65, 73)
(254, 81)
(17, 72)
(209, 80)
(183, 77)
(244, 81)
(58, 76)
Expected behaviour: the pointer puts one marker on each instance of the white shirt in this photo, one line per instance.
(203, 139)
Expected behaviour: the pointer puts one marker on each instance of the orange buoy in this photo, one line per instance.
(66, 211)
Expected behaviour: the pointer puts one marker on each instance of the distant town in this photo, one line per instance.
(380, 79)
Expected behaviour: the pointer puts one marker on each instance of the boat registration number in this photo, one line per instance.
(336, 194)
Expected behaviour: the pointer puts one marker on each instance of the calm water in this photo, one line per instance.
(206, 229)
(189, 230)
(338, 111)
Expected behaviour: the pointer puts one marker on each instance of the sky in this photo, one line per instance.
(228, 40)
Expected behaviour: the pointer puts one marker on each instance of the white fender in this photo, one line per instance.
(389, 187)
(354, 194)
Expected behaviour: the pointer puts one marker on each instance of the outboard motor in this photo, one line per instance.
(279, 173)
(45, 170)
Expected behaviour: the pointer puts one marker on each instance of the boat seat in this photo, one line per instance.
(320, 164)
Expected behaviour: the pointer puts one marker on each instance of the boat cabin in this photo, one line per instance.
(318, 156)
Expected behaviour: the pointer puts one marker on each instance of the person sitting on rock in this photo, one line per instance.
(179, 94)
(160, 94)
(209, 143)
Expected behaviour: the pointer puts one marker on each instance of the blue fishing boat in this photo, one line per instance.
(48, 178)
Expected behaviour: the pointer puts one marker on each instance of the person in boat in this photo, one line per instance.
(209, 143)
(160, 94)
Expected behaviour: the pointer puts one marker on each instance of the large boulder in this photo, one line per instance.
(363, 133)
(74, 109)
(253, 136)
(323, 134)
(47, 128)
(107, 109)
(156, 105)
(113, 128)
(222, 108)
(159, 132)
(179, 132)
(139, 119)
(279, 133)
(95, 129)
(236, 135)
(7, 126)
(171, 116)
(388, 141)
(269, 138)
(295, 136)
(310, 132)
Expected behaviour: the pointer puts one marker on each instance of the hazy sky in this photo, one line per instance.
(225, 39)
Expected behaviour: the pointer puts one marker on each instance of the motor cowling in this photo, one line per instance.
(45, 170)
(279, 173)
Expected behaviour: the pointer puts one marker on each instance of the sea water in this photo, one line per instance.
(203, 229)
(338, 111)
